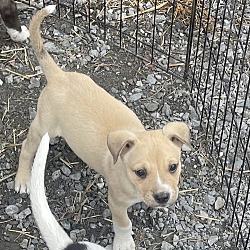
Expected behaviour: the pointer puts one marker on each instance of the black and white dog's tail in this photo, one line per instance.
(54, 235)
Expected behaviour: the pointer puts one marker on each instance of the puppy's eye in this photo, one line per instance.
(173, 168)
(142, 173)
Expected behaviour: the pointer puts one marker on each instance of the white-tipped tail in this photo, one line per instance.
(51, 8)
(49, 67)
(55, 237)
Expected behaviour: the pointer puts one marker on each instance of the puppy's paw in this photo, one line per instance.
(124, 243)
(123, 238)
(22, 185)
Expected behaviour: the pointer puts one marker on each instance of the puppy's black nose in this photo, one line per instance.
(161, 197)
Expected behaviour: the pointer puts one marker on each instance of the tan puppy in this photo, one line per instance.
(138, 165)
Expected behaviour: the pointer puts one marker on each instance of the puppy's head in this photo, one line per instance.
(152, 160)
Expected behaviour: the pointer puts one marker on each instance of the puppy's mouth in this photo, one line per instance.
(164, 205)
(153, 204)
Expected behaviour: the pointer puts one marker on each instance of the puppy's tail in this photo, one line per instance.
(54, 235)
(52, 232)
(45, 60)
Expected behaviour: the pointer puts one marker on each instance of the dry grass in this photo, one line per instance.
(182, 12)
(9, 59)
(24, 233)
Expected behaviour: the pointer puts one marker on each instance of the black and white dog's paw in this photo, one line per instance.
(17, 36)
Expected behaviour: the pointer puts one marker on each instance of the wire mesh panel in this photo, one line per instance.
(144, 28)
(220, 88)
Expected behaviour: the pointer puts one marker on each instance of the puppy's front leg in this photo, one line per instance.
(122, 225)
(29, 148)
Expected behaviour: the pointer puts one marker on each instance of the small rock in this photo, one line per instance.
(10, 185)
(79, 187)
(75, 177)
(66, 170)
(32, 113)
(238, 164)
(204, 215)
(66, 43)
(151, 79)
(24, 244)
(212, 240)
(34, 83)
(38, 69)
(1, 82)
(1, 126)
(210, 199)
(73, 234)
(56, 174)
(178, 227)
(166, 246)
(198, 226)
(81, 233)
(193, 113)
(9, 79)
(114, 90)
(51, 47)
(93, 53)
(106, 213)
(105, 47)
(160, 18)
(26, 212)
(135, 97)
(83, 61)
(151, 107)
(219, 203)
(11, 210)
(66, 224)
(100, 185)
(175, 239)
(166, 110)
(139, 83)
(59, 192)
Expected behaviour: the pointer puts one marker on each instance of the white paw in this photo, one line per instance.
(19, 36)
(21, 187)
(124, 243)
(123, 238)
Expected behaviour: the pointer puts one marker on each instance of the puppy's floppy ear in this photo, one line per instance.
(178, 133)
(120, 142)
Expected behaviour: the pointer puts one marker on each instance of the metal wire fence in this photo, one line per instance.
(211, 53)
(220, 84)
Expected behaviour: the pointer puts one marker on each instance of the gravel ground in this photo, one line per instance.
(77, 195)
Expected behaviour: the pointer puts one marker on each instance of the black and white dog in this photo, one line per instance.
(9, 14)
(54, 235)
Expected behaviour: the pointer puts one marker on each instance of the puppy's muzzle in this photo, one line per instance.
(162, 198)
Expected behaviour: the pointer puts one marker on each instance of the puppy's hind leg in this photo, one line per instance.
(28, 151)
